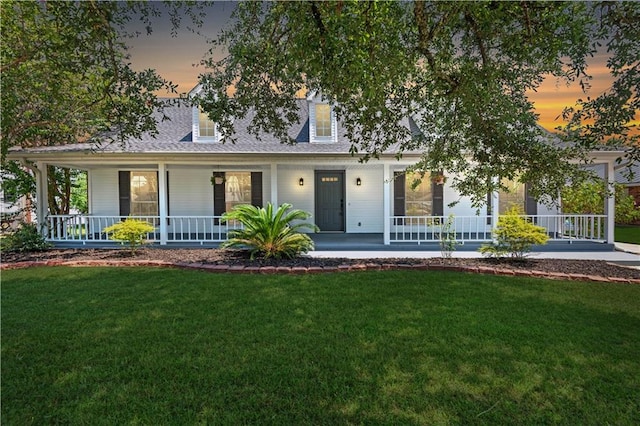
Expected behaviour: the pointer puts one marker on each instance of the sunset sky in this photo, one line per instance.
(176, 59)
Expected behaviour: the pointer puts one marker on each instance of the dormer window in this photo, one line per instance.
(323, 121)
(204, 129)
(206, 125)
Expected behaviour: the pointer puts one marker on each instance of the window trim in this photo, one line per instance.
(400, 196)
(196, 128)
(313, 128)
(219, 190)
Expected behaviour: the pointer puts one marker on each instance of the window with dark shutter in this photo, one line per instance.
(218, 194)
(256, 189)
(530, 203)
(124, 189)
(438, 199)
(398, 193)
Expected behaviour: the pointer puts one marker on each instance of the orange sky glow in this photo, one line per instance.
(177, 58)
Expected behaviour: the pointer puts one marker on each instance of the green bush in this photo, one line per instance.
(26, 238)
(589, 198)
(514, 236)
(131, 232)
(270, 234)
(448, 240)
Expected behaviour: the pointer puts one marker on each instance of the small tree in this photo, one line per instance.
(268, 233)
(131, 232)
(588, 198)
(514, 236)
(448, 240)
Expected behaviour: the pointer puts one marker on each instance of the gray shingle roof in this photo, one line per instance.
(175, 136)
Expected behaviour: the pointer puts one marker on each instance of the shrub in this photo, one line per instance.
(25, 238)
(270, 234)
(589, 198)
(131, 232)
(514, 236)
(448, 240)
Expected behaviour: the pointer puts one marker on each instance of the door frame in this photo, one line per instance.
(343, 188)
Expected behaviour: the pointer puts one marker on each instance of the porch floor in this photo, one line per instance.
(375, 242)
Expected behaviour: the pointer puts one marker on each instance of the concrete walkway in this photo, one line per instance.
(627, 254)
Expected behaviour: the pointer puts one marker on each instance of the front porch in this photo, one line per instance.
(401, 232)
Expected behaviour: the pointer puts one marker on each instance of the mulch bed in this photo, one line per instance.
(238, 261)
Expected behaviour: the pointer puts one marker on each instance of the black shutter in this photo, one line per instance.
(256, 189)
(530, 203)
(218, 195)
(398, 193)
(489, 207)
(438, 199)
(124, 190)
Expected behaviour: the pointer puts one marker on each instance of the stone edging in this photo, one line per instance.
(296, 270)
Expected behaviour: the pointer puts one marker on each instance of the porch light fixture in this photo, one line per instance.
(358, 181)
(301, 182)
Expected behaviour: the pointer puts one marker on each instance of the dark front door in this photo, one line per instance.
(330, 200)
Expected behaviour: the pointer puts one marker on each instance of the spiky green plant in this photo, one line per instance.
(270, 234)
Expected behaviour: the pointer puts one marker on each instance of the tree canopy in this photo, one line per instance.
(462, 70)
(66, 75)
(66, 78)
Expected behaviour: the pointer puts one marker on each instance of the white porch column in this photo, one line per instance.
(495, 211)
(610, 203)
(274, 184)
(42, 197)
(386, 204)
(162, 202)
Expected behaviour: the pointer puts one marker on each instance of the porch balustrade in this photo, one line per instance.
(563, 227)
(403, 229)
(89, 228)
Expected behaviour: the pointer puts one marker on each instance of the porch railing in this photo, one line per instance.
(89, 228)
(403, 229)
(563, 227)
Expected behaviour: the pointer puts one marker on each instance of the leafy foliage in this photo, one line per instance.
(26, 238)
(514, 236)
(611, 118)
(270, 234)
(66, 75)
(448, 240)
(460, 69)
(130, 231)
(589, 198)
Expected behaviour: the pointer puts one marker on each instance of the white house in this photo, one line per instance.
(185, 178)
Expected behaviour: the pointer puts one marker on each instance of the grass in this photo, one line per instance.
(627, 234)
(158, 346)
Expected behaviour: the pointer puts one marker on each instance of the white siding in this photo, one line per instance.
(190, 192)
(290, 191)
(364, 202)
(103, 184)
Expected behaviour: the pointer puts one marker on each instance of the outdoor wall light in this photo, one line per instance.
(358, 181)
(301, 182)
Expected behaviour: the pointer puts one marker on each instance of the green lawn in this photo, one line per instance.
(163, 346)
(627, 234)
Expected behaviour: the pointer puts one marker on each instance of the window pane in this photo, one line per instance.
(144, 194)
(515, 196)
(323, 120)
(237, 189)
(418, 200)
(207, 128)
